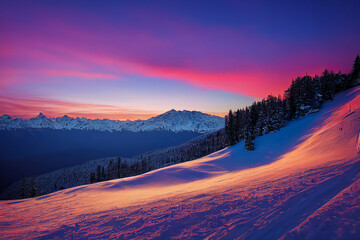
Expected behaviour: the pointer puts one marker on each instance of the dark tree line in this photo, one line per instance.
(196, 148)
(118, 169)
(304, 96)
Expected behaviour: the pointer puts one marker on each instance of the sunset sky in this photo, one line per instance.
(136, 59)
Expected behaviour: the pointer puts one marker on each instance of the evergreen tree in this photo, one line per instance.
(98, 171)
(318, 97)
(33, 187)
(92, 177)
(23, 187)
(110, 170)
(261, 123)
(250, 122)
(230, 128)
(290, 98)
(355, 73)
(118, 167)
(144, 164)
(103, 176)
(249, 144)
(328, 85)
(237, 126)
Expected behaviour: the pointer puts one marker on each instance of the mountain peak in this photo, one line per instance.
(5, 117)
(41, 115)
(172, 111)
(182, 111)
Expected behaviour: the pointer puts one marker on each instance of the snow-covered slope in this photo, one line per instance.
(300, 183)
(172, 120)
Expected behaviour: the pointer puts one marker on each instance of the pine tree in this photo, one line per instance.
(98, 171)
(33, 188)
(261, 123)
(328, 86)
(103, 176)
(118, 167)
(92, 177)
(249, 123)
(144, 164)
(355, 73)
(318, 97)
(230, 128)
(237, 126)
(249, 144)
(23, 187)
(290, 99)
(110, 170)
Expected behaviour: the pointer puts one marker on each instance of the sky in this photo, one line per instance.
(137, 59)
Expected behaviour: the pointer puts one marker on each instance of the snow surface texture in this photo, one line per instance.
(300, 183)
(172, 120)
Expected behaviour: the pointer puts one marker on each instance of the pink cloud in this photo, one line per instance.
(14, 76)
(78, 74)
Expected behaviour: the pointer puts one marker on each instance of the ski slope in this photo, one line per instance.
(302, 182)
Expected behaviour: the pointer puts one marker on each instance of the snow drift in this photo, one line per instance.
(301, 182)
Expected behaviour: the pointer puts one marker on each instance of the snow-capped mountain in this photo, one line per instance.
(172, 120)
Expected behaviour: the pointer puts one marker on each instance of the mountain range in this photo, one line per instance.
(175, 121)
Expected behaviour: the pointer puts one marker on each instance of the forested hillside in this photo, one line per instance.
(304, 96)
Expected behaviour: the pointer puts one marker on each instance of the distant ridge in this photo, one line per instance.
(175, 121)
